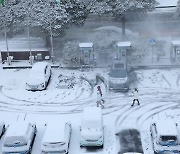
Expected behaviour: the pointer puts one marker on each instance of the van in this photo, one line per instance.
(19, 138)
(91, 129)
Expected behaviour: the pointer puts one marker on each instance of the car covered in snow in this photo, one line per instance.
(165, 136)
(19, 138)
(56, 138)
(120, 76)
(92, 129)
(39, 76)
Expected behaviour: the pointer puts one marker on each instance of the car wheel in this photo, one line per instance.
(30, 150)
(3, 129)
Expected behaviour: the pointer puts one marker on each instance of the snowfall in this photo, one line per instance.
(159, 96)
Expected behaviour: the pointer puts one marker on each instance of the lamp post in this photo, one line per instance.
(52, 47)
(29, 40)
(5, 34)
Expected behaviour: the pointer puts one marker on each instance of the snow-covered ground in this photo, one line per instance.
(159, 98)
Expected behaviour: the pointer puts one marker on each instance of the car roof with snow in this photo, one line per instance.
(162, 130)
(39, 65)
(54, 132)
(18, 129)
(92, 114)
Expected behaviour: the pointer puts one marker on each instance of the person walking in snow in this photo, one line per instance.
(100, 100)
(136, 97)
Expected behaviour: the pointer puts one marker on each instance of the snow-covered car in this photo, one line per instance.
(39, 76)
(56, 138)
(19, 138)
(165, 139)
(120, 76)
(92, 129)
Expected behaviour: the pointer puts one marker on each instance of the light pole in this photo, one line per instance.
(30, 56)
(5, 34)
(52, 47)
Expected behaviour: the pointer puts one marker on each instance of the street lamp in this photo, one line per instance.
(30, 56)
(52, 47)
(5, 33)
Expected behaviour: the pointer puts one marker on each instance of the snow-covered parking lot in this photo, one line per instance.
(159, 98)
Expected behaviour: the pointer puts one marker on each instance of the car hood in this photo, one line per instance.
(35, 81)
(91, 134)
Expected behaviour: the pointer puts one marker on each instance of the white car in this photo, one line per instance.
(39, 76)
(92, 129)
(19, 138)
(165, 139)
(56, 138)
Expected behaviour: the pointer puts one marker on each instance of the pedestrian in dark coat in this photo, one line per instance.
(136, 97)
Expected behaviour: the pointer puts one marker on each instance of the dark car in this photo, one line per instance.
(120, 76)
(130, 141)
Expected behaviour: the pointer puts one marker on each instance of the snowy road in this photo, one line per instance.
(159, 95)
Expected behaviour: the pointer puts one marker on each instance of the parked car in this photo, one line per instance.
(130, 141)
(120, 76)
(56, 138)
(165, 139)
(19, 138)
(39, 76)
(91, 129)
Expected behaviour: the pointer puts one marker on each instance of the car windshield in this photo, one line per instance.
(168, 138)
(91, 124)
(119, 65)
(54, 143)
(118, 73)
(15, 144)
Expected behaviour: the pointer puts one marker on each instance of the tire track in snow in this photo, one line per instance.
(158, 105)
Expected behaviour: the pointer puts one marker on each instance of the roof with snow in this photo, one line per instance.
(54, 132)
(124, 44)
(85, 45)
(165, 3)
(176, 43)
(162, 130)
(22, 45)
